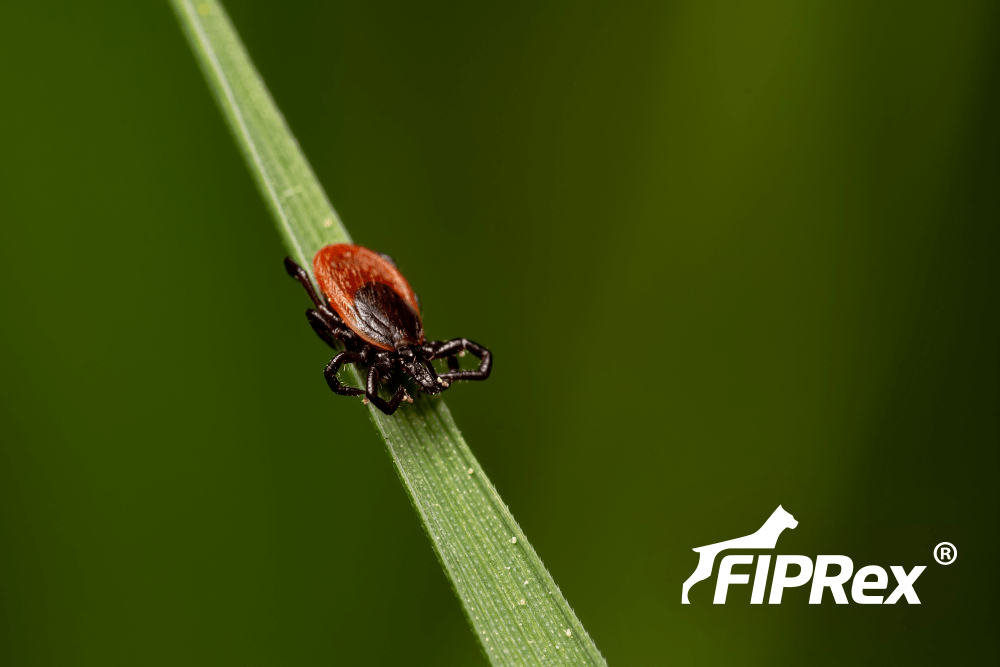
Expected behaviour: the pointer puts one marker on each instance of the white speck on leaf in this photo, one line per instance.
(470, 471)
(569, 633)
(513, 540)
(521, 602)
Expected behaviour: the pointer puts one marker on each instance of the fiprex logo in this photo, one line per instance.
(868, 578)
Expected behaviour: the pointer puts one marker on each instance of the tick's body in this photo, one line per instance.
(370, 295)
(374, 314)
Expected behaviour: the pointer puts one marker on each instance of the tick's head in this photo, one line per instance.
(412, 358)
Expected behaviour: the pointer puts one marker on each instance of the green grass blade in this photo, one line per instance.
(512, 603)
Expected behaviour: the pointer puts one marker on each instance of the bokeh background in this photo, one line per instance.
(729, 255)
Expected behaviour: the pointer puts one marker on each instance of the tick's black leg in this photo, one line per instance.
(388, 407)
(448, 350)
(331, 373)
(297, 272)
(330, 329)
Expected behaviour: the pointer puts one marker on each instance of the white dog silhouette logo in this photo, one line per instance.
(765, 538)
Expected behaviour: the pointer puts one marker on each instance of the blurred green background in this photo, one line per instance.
(727, 255)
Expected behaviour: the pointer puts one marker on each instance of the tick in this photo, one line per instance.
(368, 308)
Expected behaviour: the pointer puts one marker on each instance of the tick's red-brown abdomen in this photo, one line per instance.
(343, 268)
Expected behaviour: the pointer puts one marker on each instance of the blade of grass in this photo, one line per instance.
(515, 608)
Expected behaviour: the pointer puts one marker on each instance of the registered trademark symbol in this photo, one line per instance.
(945, 553)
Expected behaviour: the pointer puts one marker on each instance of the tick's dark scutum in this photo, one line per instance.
(385, 316)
